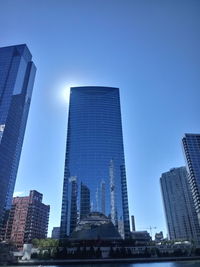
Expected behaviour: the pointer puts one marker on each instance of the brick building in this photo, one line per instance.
(28, 219)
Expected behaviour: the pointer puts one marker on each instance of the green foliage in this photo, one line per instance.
(45, 243)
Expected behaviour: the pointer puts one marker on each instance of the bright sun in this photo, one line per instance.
(66, 94)
(65, 91)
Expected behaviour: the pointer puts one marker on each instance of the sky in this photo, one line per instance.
(147, 48)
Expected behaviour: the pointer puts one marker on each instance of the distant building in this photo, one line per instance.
(28, 219)
(159, 236)
(133, 222)
(94, 175)
(55, 233)
(182, 222)
(140, 237)
(191, 145)
(17, 74)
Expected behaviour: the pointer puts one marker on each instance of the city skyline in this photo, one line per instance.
(149, 50)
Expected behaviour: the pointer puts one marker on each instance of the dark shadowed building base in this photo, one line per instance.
(95, 226)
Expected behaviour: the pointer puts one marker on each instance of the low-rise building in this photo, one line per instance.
(159, 236)
(141, 237)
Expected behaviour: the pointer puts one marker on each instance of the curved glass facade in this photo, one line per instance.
(94, 177)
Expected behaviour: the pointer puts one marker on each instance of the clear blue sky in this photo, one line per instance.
(150, 49)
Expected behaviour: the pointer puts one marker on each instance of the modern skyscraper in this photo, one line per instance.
(28, 219)
(95, 156)
(191, 145)
(182, 222)
(17, 73)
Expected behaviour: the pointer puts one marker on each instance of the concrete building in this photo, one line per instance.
(28, 219)
(17, 74)
(181, 218)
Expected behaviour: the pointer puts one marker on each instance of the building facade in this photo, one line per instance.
(55, 233)
(182, 222)
(140, 237)
(94, 176)
(133, 223)
(17, 74)
(28, 219)
(191, 146)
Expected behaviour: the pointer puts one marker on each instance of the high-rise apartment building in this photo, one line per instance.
(28, 219)
(191, 145)
(182, 222)
(94, 177)
(17, 74)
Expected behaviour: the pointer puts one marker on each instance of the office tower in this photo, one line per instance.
(55, 233)
(28, 219)
(95, 156)
(191, 146)
(182, 222)
(17, 74)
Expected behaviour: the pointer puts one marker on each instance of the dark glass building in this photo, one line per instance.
(191, 145)
(94, 177)
(181, 217)
(17, 73)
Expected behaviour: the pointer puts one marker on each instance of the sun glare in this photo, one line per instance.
(66, 94)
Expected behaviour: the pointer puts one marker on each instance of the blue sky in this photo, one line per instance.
(147, 48)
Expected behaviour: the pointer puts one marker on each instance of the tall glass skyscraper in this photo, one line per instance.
(94, 177)
(191, 145)
(17, 74)
(181, 217)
